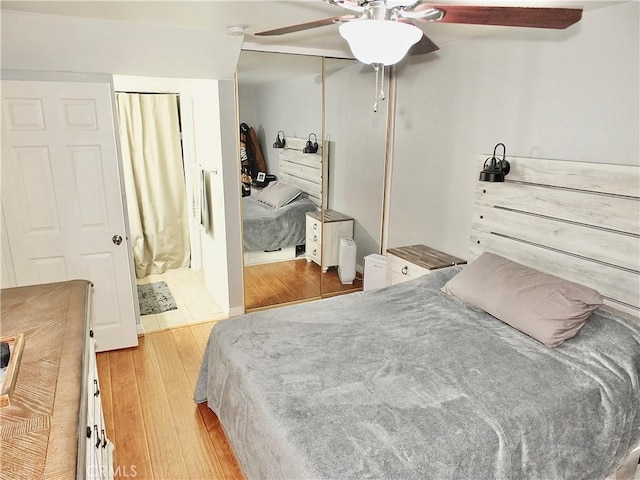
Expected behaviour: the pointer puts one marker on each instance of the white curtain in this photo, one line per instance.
(154, 181)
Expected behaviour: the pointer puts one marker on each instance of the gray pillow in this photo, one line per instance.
(278, 194)
(545, 307)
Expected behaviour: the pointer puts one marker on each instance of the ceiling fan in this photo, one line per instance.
(381, 32)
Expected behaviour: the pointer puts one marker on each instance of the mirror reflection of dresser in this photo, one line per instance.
(323, 237)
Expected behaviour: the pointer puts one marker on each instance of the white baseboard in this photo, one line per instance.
(234, 312)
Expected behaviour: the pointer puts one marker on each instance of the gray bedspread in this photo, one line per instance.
(267, 228)
(407, 382)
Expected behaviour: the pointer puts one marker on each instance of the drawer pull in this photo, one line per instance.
(405, 270)
(315, 226)
(315, 238)
(104, 439)
(315, 253)
(91, 333)
(88, 432)
(95, 427)
(96, 390)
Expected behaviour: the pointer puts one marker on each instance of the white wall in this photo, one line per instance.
(74, 44)
(570, 95)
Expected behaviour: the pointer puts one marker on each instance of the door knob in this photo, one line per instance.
(117, 239)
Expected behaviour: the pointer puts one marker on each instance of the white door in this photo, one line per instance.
(62, 199)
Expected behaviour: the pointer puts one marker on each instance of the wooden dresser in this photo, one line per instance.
(54, 425)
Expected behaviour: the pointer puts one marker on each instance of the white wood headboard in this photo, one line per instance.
(576, 220)
(306, 171)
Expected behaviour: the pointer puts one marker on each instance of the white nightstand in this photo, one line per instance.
(407, 263)
(324, 249)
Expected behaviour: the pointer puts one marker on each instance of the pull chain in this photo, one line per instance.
(382, 98)
(379, 89)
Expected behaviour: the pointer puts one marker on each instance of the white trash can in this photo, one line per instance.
(375, 272)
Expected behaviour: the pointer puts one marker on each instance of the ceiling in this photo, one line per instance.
(265, 15)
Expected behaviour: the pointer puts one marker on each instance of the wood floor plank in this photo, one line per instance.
(132, 452)
(166, 355)
(149, 379)
(200, 454)
(182, 406)
(201, 334)
(225, 455)
(165, 451)
(189, 352)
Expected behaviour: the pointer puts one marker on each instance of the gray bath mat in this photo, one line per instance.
(155, 298)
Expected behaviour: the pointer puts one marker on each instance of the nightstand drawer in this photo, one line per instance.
(313, 251)
(314, 228)
(413, 261)
(400, 270)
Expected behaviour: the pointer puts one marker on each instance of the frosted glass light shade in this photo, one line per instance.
(379, 41)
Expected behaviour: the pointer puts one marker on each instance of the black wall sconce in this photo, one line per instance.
(495, 170)
(280, 142)
(311, 147)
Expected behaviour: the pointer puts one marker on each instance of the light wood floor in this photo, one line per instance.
(159, 432)
(291, 281)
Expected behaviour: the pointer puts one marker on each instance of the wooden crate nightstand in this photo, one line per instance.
(407, 263)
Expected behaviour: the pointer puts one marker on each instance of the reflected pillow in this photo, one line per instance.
(278, 194)
(545, 307)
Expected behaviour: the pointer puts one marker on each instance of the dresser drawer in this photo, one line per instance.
(313, 251)
(314, 227)
(400, 270)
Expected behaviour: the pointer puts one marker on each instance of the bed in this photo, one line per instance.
(411, 381)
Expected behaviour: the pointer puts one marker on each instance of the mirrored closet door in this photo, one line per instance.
(308, 130)
(280, 110)
(355, 141)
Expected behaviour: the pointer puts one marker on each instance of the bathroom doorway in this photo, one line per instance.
(158, 204)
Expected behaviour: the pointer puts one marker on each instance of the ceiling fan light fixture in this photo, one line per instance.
(381, 42)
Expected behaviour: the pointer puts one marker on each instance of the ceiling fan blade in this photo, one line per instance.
(306, 26)
(536, 17)
(424, 45)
